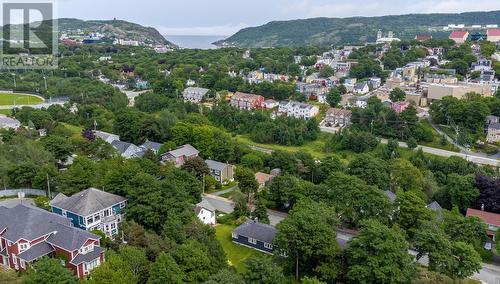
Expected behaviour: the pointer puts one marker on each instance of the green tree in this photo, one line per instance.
(461, 190)
(192, 259)
(262, 270)
(397, 95)
(404, 176)
(308, 236)
(459, 262)
(196, 166)
(225, 276)
(246, 181)
(334, 97)
(113, 270)
(379, 255)
(411, 212)
(48, 271)
(165, 270)
(59, 146)
(372, 170)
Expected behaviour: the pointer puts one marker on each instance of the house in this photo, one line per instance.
(194, 94)
(298, 109)
(338, 117)
(361, 88)
(246, 101)
(270, 104)
(141, 84)
(205, 211)
(91, 209)
(9, 123)
(263, 179)
(375, 82)
(422, 38)
(493, 35)
(399, 107)
(492, 129)
(29, 233)
(128, 150)
(180, 155)
(459, 37)
(222, 172)
(491, 219)
(151, 146)
(107, 137)
(434, 206)
(255, 235)
(438, 91)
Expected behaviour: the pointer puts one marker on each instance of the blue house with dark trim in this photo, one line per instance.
(91, 209)
(255, 235)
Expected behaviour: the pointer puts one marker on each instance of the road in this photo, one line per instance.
(222, 192)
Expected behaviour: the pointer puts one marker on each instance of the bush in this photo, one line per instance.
(226, 219)
(42, 202)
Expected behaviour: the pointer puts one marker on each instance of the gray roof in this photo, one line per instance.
(196, 90)
(216, 165)
(121, 146)
(256, 230)
(185, 150)
(220, 204)
(88, 202)
(88, 257)
(36, 251)
(434, 206)
(28, 222)
(70, 238)
(153, 146)
(205, 204)
(103, 135)
(392, 197)
(494, 126)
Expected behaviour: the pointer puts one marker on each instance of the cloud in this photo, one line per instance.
(223, 30)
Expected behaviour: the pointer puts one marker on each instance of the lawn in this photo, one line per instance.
(6, 112)
(315, 148)
(236, 254)
(19, 99)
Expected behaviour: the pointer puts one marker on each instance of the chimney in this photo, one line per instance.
(482, 207)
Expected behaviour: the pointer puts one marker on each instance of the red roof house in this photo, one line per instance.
(423, 37)
(459, 36)
(491, 219)
(493, 35)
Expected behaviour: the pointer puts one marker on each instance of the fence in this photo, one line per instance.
(26, 191)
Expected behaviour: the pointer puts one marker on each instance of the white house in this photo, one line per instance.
(298, 109)
(205, 212)
(269, 104)
(194, 94)
(362, 88)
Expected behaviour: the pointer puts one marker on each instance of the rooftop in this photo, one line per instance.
(87, 202)
(185, 150)
(254, 229)
(216, 165)
(459, 34)
(493, 32)
(488, 217)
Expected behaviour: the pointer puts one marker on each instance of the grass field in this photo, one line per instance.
(5, 111)
(236, 254)
(18, 99)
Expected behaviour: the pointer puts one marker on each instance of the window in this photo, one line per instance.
(252, 241)
(90, 220)
(122, 205)
(23, 246)
(268, 246)
(97, 217)
(22, 264)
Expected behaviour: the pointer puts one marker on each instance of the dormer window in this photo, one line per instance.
(24, 246)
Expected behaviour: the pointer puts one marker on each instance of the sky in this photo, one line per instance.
(225, 17)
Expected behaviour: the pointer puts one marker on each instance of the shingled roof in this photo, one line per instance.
(87, 202)
(255, 230)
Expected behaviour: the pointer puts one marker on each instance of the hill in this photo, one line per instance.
(115, 28)
(354, 30)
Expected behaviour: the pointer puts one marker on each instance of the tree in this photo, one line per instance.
(192, 259)
(308, 236)
(165, 270)
(397, 95)
(359, 141)
(379, 255)
(113, 270)
(411, 212)
(59, 146)
(461, 191)
(262, 270)
(372, 170)
(246, 181)
(334, 97)
(225, 276)
(404, 176)
(430, 239)
(48, 271)
(196, 166)
(260, 211)
(412, 143)
(326, 72)
(459, 262)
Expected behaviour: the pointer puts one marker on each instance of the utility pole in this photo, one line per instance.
(203, 184)
(48, 186)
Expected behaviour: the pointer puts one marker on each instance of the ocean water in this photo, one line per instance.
(197, 41)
